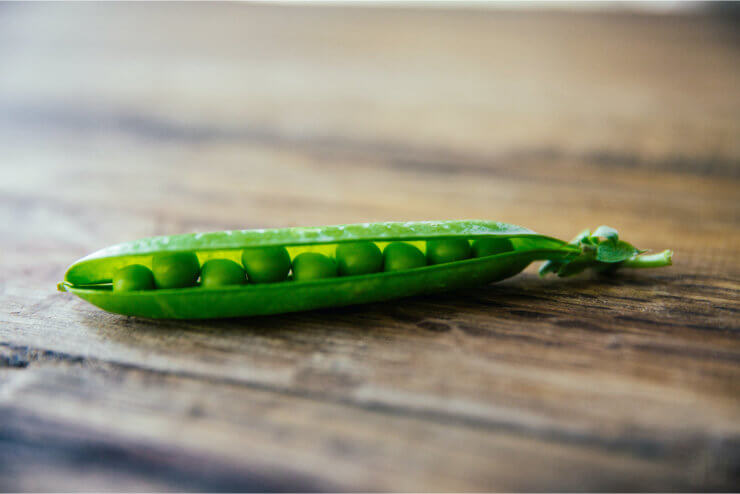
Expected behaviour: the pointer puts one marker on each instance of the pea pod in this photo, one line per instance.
(91, 277)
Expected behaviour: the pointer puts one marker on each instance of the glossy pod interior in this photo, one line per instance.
(90, 278)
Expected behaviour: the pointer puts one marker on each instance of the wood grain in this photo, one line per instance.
(123, 121)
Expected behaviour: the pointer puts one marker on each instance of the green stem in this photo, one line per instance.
(652, 261)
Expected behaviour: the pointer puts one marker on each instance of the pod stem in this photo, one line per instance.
(658, 260)
(604, 252)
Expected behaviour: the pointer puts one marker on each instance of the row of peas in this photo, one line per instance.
(273, 264)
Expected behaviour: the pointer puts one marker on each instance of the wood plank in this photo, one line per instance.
(258, 427)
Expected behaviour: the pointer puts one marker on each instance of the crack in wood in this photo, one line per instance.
(398, 155)
(27, 439)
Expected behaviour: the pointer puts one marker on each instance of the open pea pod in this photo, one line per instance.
(91, 278)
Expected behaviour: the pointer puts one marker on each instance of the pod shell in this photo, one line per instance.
(85, 277)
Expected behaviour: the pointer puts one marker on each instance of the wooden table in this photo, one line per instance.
(124, 121)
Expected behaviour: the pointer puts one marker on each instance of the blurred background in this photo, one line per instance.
(126, 120)
(182, 117)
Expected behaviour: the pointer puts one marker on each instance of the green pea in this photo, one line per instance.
(313, 266)
(133, 277)
(358, 258)
(175, 269)
(400, 256)
(266, 264)
(221, 272)
(447, 250)
(491, 246)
